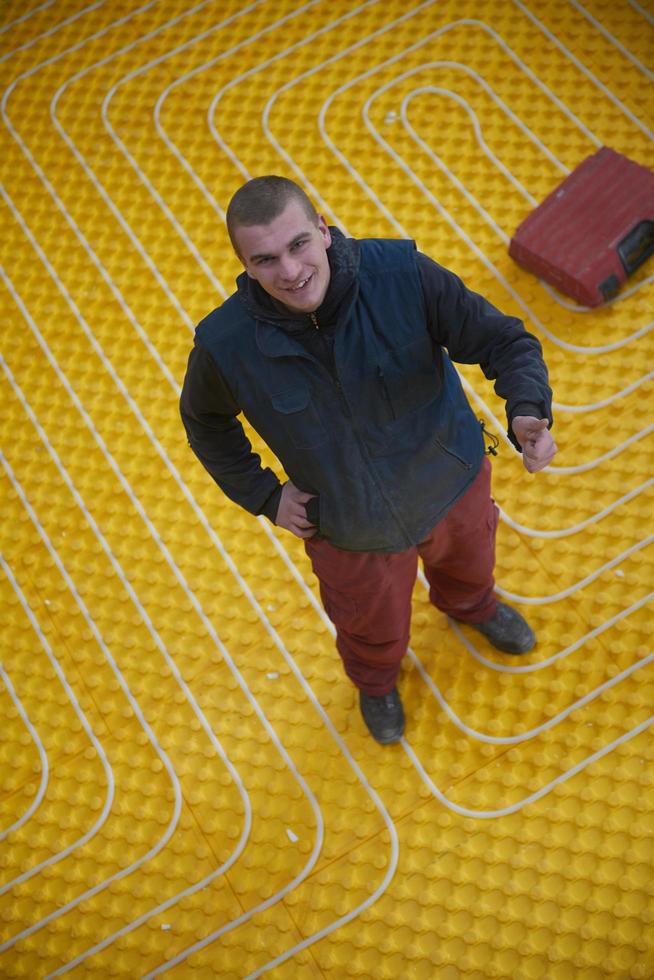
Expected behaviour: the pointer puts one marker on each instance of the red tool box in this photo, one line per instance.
(593, 231)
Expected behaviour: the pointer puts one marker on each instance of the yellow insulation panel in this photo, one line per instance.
(187, 786)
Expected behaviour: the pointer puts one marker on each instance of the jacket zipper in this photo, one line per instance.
(314, 320)
(448, 452)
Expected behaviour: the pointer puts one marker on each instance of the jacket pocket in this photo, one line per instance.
(298, 417)
(453, 455)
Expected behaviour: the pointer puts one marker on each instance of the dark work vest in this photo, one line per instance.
(388, 442)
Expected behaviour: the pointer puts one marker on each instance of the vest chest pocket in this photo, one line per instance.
(297, 416)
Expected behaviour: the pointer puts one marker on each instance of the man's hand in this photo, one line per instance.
(538, 447)
(291, 512)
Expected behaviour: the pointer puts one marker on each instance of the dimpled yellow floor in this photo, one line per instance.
(187, 787)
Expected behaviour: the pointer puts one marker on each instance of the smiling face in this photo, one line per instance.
(288, 257)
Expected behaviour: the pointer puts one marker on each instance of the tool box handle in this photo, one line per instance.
(637, 246)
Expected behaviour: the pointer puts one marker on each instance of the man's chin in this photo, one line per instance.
(303, 304)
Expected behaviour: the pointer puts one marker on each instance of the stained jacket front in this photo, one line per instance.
(383, 434)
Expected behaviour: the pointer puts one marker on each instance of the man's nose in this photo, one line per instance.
(290, 268)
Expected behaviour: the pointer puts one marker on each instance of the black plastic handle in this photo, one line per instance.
(637, 246)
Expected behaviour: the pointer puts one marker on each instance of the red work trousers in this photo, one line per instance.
(367, 595)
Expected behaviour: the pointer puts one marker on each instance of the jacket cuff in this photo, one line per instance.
(271, 505)
(528, 408)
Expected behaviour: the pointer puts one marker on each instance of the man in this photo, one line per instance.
(338, 352)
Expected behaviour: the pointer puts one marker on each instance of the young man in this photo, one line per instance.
(338, 352)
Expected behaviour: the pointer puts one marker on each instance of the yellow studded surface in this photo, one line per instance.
(187, 788)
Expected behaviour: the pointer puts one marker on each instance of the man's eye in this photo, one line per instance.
(300, 243)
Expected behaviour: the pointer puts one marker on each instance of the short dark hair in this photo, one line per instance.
(262, 200)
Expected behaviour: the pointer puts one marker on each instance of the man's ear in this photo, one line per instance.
(248, 269)
(324, 231)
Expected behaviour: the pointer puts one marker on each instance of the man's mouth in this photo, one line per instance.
(300, 285)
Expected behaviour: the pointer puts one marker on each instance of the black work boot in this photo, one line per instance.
(384, 715)
(507, 630)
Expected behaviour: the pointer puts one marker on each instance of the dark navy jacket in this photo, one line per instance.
(386, 439)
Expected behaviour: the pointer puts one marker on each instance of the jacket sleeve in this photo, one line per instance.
(475, 332)
(215, 434)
